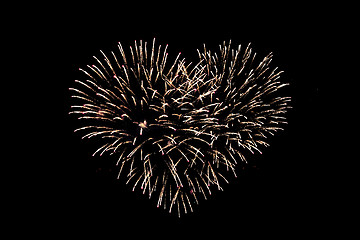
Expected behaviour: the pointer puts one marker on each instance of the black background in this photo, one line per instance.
(279, 193)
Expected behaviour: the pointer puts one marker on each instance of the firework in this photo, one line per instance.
(179, 129)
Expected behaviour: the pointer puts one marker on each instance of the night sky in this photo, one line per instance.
(278, 192)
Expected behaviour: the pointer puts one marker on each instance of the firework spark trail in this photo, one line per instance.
(179, 128)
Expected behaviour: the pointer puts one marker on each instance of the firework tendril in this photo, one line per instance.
(179, 129)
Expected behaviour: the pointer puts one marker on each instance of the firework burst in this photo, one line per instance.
(179, 128)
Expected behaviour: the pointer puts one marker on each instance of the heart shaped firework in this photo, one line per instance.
(179, 129)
